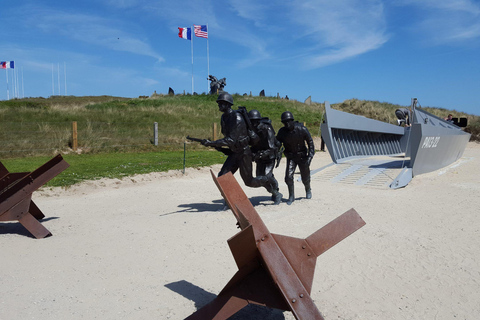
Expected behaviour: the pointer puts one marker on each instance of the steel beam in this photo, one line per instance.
(274, 270)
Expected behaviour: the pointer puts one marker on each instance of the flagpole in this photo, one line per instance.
(65, 76)
(191, 35)
(53, 83)
(15, 93)
(6, 74)
(14, 87)
(16, 81)
(58, 77)
(208, 62)
(23, 88)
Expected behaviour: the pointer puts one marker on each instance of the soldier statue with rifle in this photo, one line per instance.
(265, 148)
(237, 138)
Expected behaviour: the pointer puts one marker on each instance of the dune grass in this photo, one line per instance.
(115, 135)
(31, 127)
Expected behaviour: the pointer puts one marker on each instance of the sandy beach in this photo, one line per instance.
(155, 247)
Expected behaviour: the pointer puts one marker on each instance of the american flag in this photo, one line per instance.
(200, 31)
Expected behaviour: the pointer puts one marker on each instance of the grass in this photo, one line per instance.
(116, 165)
(385, 112)
(115, 134)
(31, 127)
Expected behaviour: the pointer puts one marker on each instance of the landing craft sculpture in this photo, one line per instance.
(430, 142)
(274, 270)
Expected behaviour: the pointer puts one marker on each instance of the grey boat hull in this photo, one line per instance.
(430, 143)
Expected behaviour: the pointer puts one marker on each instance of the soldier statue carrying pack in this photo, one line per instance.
(265, 148)
(237, 138)
(299, 151)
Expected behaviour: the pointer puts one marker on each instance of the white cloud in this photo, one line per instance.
(222, 24)
(333, 31)
(339, 29)
(251, 10)
(91, 29)
(351, 50)
(446, 21)
(327, 31)
(185, 13)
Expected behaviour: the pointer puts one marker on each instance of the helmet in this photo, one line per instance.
(287, 115)
(254, 115)
(225, 96)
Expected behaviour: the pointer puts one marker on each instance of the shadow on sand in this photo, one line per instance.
(17, 228)
(201, 297)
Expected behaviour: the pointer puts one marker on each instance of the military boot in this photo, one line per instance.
(308, 190)
(291, 194)
(276, 197)
(273, 187)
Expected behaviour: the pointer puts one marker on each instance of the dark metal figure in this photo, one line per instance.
(222, 83)
(216, 86)
(236, 138)
(265, 148)
(299, 150)
(403, 116)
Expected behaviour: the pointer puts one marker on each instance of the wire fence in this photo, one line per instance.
(20, 139)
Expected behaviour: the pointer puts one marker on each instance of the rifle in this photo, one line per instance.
(278, 156)
(244, 113)
(195, 139)
(251, 130)
(225, 151)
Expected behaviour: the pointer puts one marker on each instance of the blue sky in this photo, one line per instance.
(388, 51)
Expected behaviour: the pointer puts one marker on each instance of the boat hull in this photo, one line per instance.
(431, 143)
(433, 148)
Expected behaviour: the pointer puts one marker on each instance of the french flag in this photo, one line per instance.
(7, 65)
(185, 33)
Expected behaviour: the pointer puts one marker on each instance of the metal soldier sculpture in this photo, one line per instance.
(403, 116)
(299, 150)
(236, 138)
(216, 85)
(265, 148)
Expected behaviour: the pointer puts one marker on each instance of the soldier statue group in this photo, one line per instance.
(251, 138)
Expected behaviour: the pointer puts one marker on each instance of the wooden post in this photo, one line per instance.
(184, 155)
(214, 131)
(155, 133)
(74, 136)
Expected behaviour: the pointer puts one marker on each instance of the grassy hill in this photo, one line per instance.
(115, 135)
(39, 126)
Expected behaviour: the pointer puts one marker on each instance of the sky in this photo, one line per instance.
(388, 51)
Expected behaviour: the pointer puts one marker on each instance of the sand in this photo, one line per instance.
(155, 247)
